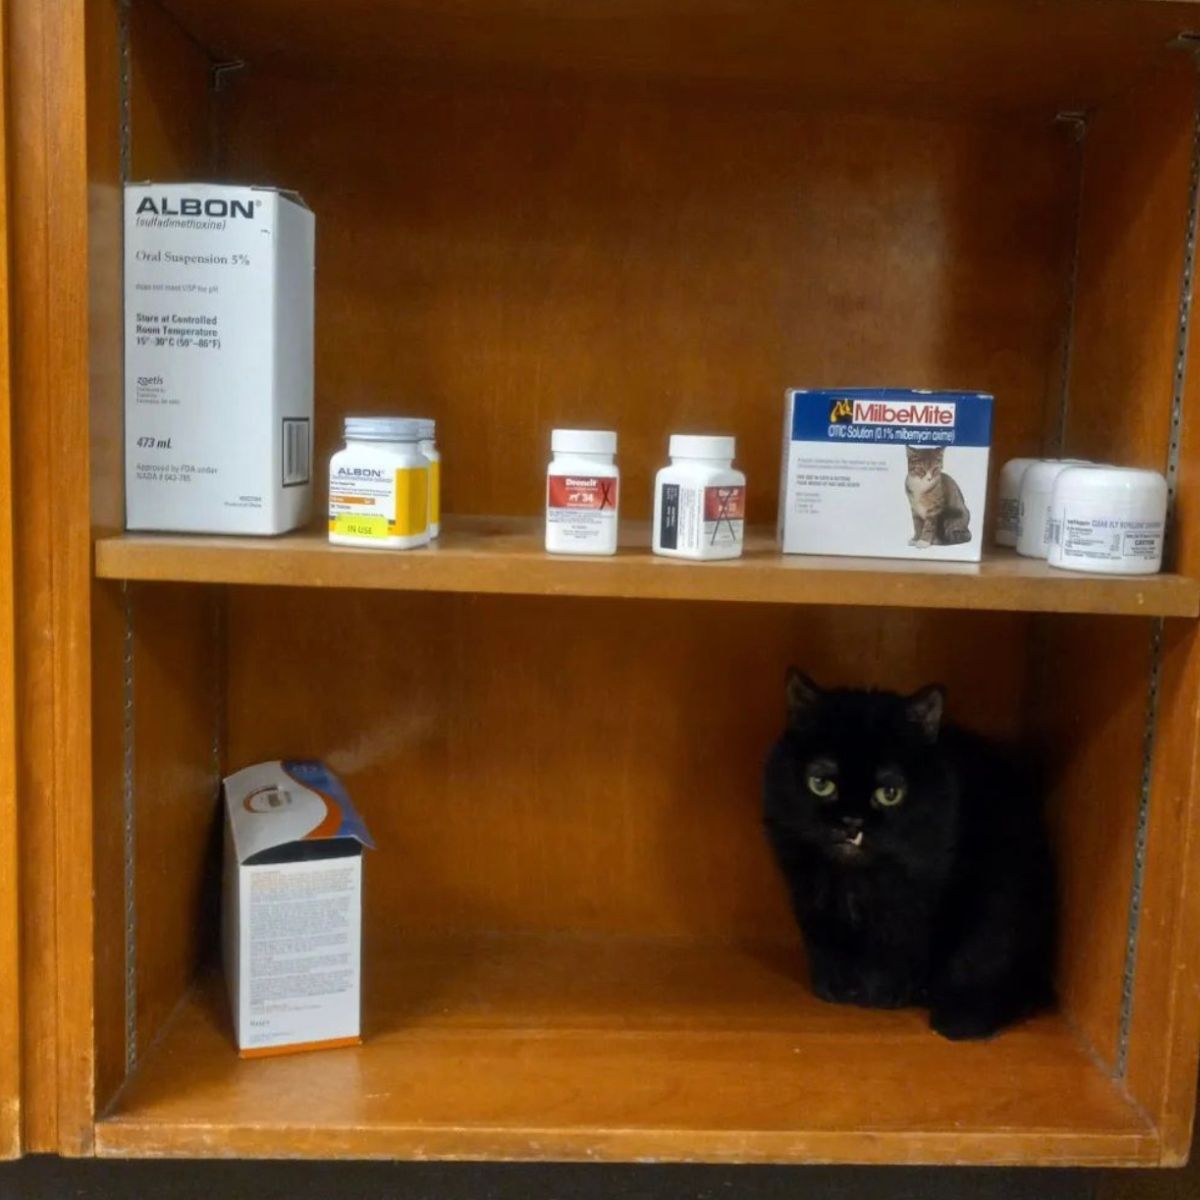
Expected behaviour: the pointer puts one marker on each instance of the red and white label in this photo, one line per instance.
(582, 492)
(725, 503)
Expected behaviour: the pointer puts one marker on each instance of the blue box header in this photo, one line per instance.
(891, 415)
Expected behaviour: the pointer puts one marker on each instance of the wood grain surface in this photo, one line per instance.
(990, 54)
(1133, 229)
(523, 258)
(568, 1048)
(10, 861)
(505, 555)
(555, 764)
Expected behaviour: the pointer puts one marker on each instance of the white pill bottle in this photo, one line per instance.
(1108, 519)
(582, 492)
(1037, 485)
(699, 500)
(379, 486)
(1008, 500)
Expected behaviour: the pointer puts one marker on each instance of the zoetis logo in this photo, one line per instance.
(923, 413)
(193, 206)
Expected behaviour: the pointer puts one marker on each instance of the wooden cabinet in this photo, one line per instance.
(652, 216)
(10, 997)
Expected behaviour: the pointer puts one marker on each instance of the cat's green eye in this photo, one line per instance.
(824, 788)
(888, 797)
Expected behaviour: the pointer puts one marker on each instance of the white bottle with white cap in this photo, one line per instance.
(582, 486)
(379, 486)
(699, 500)
(1008, 500)
(1037, 484)
(1108, 519)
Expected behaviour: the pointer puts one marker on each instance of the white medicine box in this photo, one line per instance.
(218, 358)
(885, 472)
(292, 908)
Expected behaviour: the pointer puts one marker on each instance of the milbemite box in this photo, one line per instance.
(218, 358)
(888, 473)
(292, 908)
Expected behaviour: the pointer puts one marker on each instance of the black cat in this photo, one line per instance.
(916, 858)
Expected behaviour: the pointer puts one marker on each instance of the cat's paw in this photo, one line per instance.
(912, 541)
(836, 986)
(921, 543)
(881, 990)
(963, 1021)
(864, 986)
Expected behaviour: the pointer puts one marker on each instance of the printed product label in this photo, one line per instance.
(435, 491)
(371, 503)
(1008, 515)
(724, 515)
(580, 508)
(668, 525)
(300, 953)
(695, 517)
(1083, 537)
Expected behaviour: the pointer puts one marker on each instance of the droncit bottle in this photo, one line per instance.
(582, 485)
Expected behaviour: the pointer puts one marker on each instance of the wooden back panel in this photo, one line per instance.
(571, 765)
(509, 259)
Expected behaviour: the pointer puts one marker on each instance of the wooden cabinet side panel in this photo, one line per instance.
(1164, 1036)
(10, 1007)
(1133, 203)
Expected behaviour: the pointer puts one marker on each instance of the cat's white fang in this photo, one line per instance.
(856, 840)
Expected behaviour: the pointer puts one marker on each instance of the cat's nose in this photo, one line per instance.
(852, 824)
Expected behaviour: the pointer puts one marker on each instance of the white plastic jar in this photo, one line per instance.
(1037, 484)
(427, 444)
(1008, 500)
(379, 486)
(1108, 519)
(582, 492)
(699, 500)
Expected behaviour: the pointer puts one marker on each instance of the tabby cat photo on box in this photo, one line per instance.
(915, 856)
(939, 512)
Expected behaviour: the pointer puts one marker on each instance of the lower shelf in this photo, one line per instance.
(573, 1048)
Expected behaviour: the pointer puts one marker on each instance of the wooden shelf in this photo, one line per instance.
(504, 555)
(563, 1048)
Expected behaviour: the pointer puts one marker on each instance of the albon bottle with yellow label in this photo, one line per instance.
(379, 486)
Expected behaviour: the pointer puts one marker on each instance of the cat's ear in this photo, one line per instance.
(802, 697)
(924, 709)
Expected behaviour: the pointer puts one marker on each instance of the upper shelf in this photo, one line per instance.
(996, 54)
(504, 555)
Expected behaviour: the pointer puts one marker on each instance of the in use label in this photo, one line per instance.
(361, 526)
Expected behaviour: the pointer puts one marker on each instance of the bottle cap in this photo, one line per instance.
(583, 441)
(381, 429)
(426, 429)
(697, 445)
(1129, 483)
